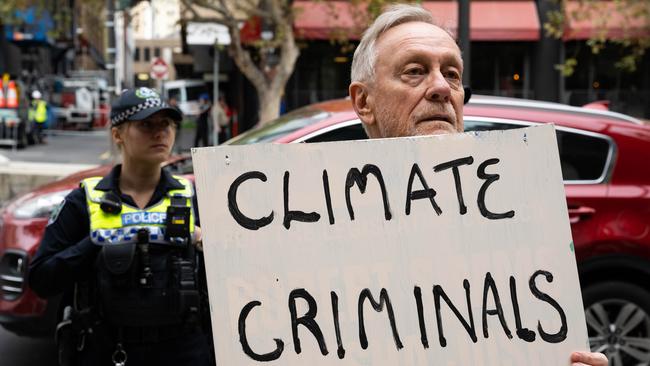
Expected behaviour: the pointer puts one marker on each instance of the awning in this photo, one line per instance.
(596, 18)
(327, 19)
(489, 20)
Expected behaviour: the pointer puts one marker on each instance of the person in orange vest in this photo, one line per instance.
(37, 115)
(3, 100)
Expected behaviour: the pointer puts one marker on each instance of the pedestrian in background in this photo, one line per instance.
(37, 115)
(126, 247)
(221, 117)
(173, 103)
(224, 119)
(202, 125)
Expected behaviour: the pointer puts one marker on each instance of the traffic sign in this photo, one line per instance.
(159, 69)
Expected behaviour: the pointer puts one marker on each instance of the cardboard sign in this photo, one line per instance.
(440, 250)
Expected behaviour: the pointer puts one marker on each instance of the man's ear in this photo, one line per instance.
(361, 102)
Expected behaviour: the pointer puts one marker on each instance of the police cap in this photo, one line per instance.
(138, 104)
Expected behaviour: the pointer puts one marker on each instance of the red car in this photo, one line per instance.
(604, 158)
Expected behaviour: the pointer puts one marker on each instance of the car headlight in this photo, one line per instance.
(41, 206)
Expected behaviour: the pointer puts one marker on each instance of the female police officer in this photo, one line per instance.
(125, 244)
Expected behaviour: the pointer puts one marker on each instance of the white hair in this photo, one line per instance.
(363, 62)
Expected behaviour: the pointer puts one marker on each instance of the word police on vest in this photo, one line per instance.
(136, 218)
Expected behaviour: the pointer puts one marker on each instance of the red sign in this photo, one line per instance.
(159, 68)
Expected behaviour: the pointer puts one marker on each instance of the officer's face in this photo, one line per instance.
(150, 140)
(417, 87)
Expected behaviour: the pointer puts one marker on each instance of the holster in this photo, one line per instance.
(70, 335)
(65, 339)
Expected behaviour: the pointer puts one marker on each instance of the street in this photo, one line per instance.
(22, 351)
(78, 147)
(67, 147)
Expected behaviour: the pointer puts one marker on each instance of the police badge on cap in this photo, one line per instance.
(138, 104)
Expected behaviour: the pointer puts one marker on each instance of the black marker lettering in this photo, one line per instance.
(491, 286)
(561, 334)
(384, 300)
(295, 215)
(328, 197)
(489, 179)
(337, 328)
(523, 333)
(361, 179)
(244, 341)
(438, 293)
(243, 220)
(417, 292)
(454, 164)
(308, 320)
(424, 193)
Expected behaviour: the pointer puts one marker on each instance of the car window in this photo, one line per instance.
(345, 133)
(193, 92)
(471, 126)
(174, 93)
(282, 126)
(583, 157)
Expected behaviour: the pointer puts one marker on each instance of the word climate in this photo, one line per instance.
(360, 178)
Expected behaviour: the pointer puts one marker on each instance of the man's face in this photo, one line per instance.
(417, 89)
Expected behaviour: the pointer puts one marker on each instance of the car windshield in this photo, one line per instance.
(282, 126)
(193, 92)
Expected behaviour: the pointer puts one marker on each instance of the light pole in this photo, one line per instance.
(463, 38)
(110, 50)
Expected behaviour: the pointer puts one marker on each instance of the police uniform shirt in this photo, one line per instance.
(66, 254)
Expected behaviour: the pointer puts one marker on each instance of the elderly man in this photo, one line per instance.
(407, 81)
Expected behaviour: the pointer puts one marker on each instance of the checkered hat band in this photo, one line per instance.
(148, 103)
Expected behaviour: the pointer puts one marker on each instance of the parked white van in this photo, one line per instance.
(186, 93)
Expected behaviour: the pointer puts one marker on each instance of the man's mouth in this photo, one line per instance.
(437, 117)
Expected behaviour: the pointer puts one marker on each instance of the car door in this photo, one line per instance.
(585, 160)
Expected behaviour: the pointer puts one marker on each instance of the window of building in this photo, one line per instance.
(147, 54)
(156, 52)
(136, 56)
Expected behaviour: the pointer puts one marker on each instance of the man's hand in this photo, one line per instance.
(588, 359)
(198, 238)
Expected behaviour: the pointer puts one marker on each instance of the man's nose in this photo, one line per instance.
(438, 88)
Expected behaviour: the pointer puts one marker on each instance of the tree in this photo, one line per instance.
(633, 41)
(268, 62)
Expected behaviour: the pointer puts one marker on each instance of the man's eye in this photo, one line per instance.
(452, 75)
(414, 71)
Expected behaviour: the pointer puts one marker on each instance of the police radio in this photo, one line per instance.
(110, 203)
(146, 274)
(177, 222)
